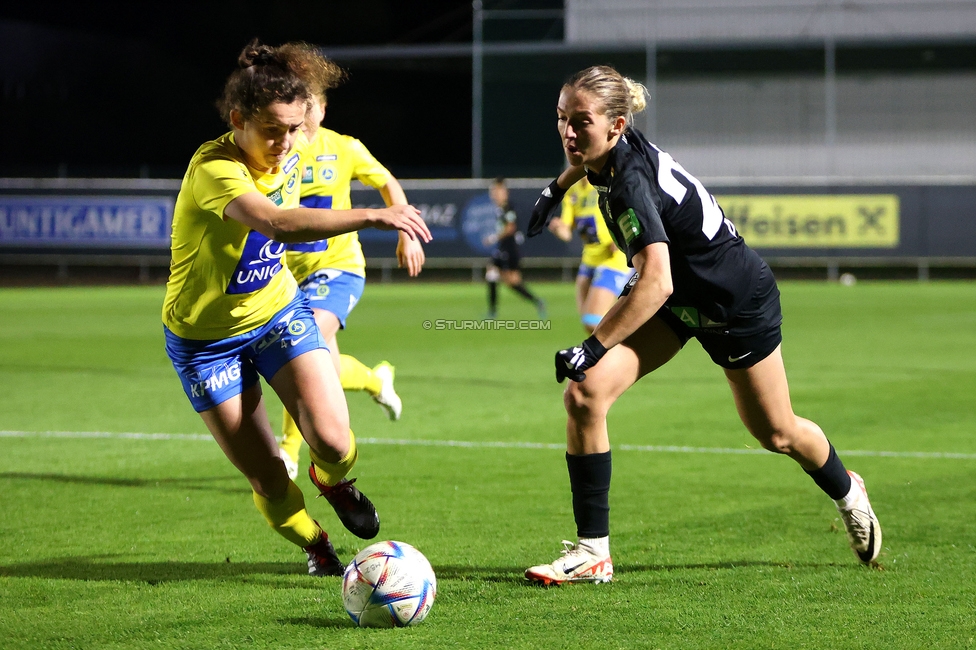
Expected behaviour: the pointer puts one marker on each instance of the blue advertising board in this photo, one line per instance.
(460, 219)
(85, 221)
(933, 219)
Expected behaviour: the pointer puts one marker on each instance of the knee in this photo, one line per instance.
(582, 402)
(788, 436)
(331, 448)
(779, 438)
(330, 436)
(777, 442)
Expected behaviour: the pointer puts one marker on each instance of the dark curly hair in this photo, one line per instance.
(319, 73)
(293, 71)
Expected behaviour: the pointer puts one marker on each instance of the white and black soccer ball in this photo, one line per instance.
(388, 584)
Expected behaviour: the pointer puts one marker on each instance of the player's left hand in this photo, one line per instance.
(404, 218)
(410, 255)
(545, 208)
(571, 362)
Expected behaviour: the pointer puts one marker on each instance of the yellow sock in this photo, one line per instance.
(291, 437)
(288, 516)
(355, 375)
(332, 473)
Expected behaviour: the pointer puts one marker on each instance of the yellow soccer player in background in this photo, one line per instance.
(332, 272)
(603, 271)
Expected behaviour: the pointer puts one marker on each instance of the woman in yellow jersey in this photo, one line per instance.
(332, 272)
(603, 271)
(232, 312)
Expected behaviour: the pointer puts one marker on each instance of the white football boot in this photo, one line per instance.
(387, 397)
(291, 465)
(863, 529)
(576, 564)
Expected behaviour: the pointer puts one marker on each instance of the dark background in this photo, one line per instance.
(112, 89)
(128, 88)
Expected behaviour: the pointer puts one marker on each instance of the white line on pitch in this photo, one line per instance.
(105, 434)
(482, 445)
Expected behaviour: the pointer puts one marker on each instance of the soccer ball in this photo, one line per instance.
(388, 584)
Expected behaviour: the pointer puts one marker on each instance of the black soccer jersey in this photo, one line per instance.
(646, 197)
(505, 216)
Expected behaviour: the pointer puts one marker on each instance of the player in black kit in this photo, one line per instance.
(505, 258)
(695, 278)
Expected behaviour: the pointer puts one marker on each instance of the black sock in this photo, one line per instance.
(832, 478)
(589, 478)
(492, 296)
(520, 289)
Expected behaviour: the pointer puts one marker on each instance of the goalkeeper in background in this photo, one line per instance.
(504, 264)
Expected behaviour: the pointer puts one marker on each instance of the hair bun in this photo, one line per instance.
(638, 95)
(255, 53)
(263, 57)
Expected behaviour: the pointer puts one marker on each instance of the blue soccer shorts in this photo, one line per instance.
(586, 271)
(334, 291)
(215, 371)
(610, 279)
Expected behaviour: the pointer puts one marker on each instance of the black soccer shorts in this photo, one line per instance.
(748, 338)
(506, 256)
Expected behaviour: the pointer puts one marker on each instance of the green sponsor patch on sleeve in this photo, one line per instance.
(629, 225)
(276, 197)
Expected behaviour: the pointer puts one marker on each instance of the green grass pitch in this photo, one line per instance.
(135, 542)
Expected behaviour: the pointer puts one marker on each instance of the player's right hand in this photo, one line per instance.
(405, 218)
(571, 362)
(545, 208)
(410, 255)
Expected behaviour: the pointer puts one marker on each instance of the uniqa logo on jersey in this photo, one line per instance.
(260, 261)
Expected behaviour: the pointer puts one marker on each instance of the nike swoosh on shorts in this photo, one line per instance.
(731, 360)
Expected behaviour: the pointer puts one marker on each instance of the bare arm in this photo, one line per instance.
(648, 294)
(570, 176)
(559, 228)
(393, 193)
(409, 251)
(257, 212)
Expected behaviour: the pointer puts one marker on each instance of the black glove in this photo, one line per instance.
(571, 362)
(545, 208)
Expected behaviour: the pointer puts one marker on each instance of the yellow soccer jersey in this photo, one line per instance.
(226, 279)
(581, 212)
(331, 163)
